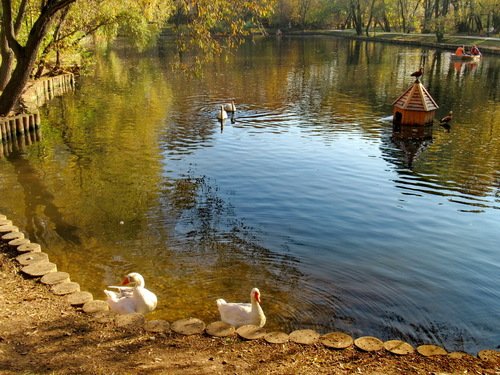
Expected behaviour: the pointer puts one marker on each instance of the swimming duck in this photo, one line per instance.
(447, 119)
(240, 314)
(221, 114)
(131, 296)
(230, 107)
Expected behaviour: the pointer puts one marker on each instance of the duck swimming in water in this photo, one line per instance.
(447, 119)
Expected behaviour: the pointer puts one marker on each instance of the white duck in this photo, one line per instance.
(221, 113)
(230, 107)
(131, 298)
(240, 314)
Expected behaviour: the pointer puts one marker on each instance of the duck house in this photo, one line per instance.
(414, 107)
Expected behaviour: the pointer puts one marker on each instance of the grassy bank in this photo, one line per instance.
(487, 45)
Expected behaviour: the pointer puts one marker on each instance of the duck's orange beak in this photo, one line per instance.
(257, 297)
(125, 281)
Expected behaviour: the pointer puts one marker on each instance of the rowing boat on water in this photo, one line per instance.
(465, 57)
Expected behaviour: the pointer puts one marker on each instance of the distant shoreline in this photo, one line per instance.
(487, 45)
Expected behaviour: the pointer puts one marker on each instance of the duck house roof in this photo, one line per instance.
(416, 98)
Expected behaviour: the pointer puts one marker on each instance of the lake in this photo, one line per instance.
(307, 193)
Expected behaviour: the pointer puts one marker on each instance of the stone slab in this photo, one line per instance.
(189, 326)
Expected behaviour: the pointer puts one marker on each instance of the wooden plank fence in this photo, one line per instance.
(36, 95)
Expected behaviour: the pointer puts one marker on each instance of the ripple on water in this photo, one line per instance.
(306, 194)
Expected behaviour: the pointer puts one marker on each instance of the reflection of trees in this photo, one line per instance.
(340, 82)
(226, 256)
(41, 211)
(409, 148)
(96, 127)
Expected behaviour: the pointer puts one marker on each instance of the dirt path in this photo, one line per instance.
(41, 334)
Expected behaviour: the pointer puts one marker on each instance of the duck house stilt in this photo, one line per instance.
(414, 107)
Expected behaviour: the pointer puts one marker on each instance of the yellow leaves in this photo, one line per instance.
(216, 25)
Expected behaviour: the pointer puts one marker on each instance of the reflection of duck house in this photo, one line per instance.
(412, 140)
(422, 133)
(414, 107)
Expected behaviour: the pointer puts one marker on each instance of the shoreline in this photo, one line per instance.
(487, 45)
(35, 264)
(40, 333)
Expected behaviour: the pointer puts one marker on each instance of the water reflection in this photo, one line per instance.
(412, 140)
(341, 221)
(36, 194)
(19, 144)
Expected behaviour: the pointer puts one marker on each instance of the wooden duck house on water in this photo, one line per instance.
(414, 107)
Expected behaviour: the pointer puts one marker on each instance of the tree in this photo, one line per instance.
(370, 17)
(199, 25)
(304, 8)
(356, 15)
(103, 19)
(283, 13)
(5, 51)
(25, 55)
(142, 20)
(75, 20)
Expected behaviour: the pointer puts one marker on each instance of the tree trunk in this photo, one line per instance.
(387, 24)
(25, 62)
(402, 11)
(356, 17)
(370, 18)
(426, 28)
(7, 61)
(5, 51)
(26, 55)
(17, 83)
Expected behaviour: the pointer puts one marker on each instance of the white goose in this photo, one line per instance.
(221, 114)
(230, 107)
(133, 298)
(240, 314)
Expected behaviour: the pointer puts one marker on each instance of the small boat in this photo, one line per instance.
(465, 58)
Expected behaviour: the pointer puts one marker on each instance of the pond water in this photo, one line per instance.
(307, 193)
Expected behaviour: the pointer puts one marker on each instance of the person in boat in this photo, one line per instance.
(475, 51)
(460, 51)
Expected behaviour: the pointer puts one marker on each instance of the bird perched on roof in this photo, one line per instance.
(418, 73)
(447, 119)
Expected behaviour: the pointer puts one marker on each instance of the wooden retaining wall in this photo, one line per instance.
(12, 129)
(45, 89)
(20, 143)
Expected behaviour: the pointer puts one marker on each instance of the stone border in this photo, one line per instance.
(36, 264)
